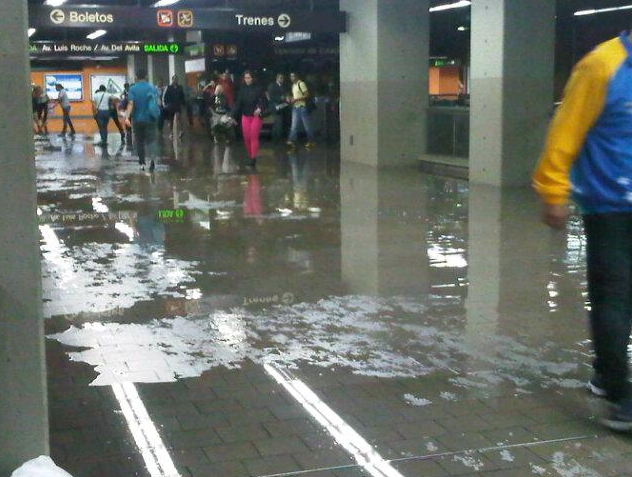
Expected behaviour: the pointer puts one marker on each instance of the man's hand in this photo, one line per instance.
(555, 216)
(128, 123)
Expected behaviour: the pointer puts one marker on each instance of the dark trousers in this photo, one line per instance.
(161, 120)
(103, 118)
(67, 121)
(609, 251)
(144, 137)
(114, 117)
(278, 129)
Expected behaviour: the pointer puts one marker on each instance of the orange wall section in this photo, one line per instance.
(444, 80)
(79, 108)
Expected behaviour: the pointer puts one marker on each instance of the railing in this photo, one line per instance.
(449, 131)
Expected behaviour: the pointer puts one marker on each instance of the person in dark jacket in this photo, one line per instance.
(252, 103)
(174, 101)
(277, 94)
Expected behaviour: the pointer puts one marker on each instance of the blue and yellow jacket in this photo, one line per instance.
(591, 135)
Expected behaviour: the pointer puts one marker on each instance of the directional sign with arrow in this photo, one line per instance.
(57, 17)
(284, 20)
(209, 19)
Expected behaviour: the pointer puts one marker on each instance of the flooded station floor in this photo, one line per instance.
(313, 318)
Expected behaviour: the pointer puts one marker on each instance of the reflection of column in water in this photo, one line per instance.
(300, 176)
(223, 161)
(176, 198)
(217, 159)
(484, 265)
(382, 254)
(508, 266)
(229, 165)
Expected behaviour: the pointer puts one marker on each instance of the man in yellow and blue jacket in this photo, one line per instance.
(588, 156)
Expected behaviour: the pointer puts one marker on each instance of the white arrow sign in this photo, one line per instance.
(284, 20)
(57, 16)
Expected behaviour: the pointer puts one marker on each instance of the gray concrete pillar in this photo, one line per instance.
(513, 60)
(176, 65)
(133, 65)
(23, 396)
(384, 62)
(159, 69)
(150, 69)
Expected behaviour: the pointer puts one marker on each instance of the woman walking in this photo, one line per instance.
(252, 103)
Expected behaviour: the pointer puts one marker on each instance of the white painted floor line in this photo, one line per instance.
(435, 456)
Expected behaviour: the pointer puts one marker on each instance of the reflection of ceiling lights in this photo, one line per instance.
(602, 10)
(165, 3)
(463, 28)
(143, 430)
(284, 212)
(96, 34)
(359, 448)
(450, 6)
(54, 3)
(126, 230)
(31, 32)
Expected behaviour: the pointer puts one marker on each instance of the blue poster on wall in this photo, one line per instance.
(72, 83)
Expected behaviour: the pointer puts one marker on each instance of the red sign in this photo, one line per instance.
(165, 18)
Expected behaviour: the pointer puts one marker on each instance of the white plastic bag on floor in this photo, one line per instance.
(43, 466)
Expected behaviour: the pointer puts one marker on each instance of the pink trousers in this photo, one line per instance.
(251, 127)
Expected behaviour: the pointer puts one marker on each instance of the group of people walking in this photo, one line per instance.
(252, 104)
(147, 109)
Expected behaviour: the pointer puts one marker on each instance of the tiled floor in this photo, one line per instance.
(312, 319)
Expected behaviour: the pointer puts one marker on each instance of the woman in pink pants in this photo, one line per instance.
(252, 103)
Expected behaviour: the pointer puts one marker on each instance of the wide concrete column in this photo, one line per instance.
(513, 59)
(384, 63)
(23, 396)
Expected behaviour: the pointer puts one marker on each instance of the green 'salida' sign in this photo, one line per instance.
(158, 48)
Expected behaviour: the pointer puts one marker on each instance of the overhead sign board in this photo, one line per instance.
(198, 18)
(81, 48)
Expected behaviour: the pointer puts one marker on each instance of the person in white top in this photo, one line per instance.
(64, 102)
(101, 111)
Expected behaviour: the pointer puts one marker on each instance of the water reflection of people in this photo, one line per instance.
(149, 231)
(253, 207)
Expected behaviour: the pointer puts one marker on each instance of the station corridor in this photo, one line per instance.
(311, 318)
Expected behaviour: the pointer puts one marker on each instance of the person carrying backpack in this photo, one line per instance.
(302, 105)
(142, 115)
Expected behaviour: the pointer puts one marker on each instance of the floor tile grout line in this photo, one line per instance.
(493, 448)
(434, 456)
